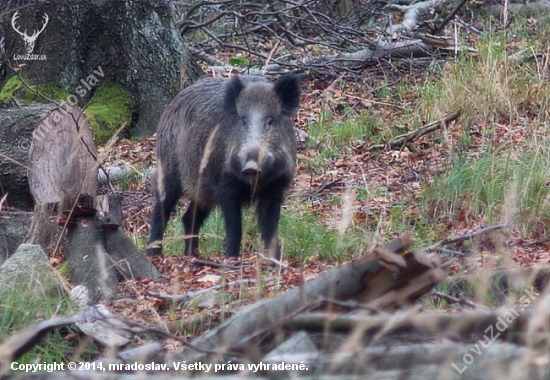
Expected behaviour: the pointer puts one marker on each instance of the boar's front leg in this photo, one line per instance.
(269, 211)
(230, 201)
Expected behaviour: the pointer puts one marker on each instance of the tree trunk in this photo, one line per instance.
(14, 227)
(17, 126)
(135, 43)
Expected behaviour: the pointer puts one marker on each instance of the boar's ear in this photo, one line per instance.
(233, 89)
(288, 90)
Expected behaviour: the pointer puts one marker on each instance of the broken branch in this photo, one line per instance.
(402, 140)
(460, 238)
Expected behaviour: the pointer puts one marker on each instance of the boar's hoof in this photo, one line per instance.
(153, 251)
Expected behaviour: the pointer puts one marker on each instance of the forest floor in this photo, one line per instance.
(395, 182)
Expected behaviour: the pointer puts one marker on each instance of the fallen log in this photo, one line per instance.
(445, 360)
(469, 326)
(14, 227)
(525, 9)
(384, 279)
(500, 280)
(18, 124)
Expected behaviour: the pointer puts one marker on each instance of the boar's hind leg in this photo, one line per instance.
(193, 219)
(269, 211)
(160, 216)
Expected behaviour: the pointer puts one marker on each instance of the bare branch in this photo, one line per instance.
(460, 238)
(340, 31)
(404, 139)
(451, 15)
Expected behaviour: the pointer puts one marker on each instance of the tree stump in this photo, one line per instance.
(63, 180)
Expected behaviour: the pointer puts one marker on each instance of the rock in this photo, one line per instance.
(299, 343)
(28, 269)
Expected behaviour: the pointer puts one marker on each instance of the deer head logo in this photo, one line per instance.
(29, 40)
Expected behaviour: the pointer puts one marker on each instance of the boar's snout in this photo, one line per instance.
(251, 171)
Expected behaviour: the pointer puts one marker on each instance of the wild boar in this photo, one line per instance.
(227, 143)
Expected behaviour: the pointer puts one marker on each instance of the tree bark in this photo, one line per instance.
(14, 227)
(441, 360)
(423, 326)
(16, 137)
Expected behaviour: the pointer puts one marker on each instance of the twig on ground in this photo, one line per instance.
(460, 300)
(460, 238)
(187, 296)
(326, 185)
(214, 264)
(402, 140)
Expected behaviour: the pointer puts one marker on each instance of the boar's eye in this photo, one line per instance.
(270, 122)
(243, 120)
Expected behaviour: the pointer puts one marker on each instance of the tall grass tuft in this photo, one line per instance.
(28, 303)
(502, 189)
(490, 87)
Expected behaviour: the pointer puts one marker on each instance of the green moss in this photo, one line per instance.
(51, 92)
(14, 88)
(11, 85)
(109, 110)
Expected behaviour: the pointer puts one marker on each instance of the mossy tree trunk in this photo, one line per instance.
(134, 43)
